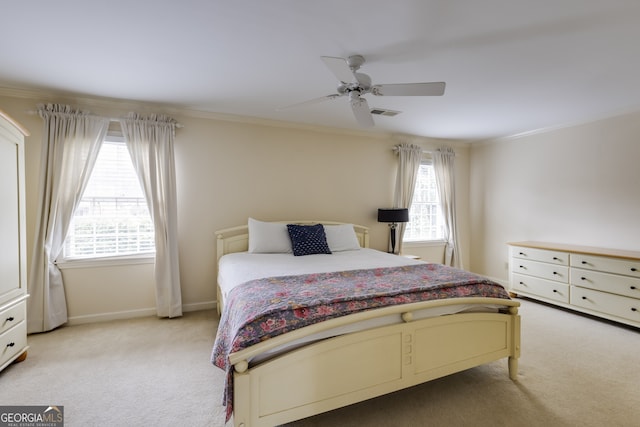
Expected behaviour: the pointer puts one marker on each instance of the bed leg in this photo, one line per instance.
(515, 354)
(513, 368)
(241, 401)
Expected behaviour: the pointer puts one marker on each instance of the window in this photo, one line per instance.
(425, 215)
(112, 218)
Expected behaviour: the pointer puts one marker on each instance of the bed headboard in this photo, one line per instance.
(236, 239)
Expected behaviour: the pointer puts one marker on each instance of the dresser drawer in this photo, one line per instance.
(13, 342)
(606, 264)
(603, 282)
(615, 305)
(557, 273)
(542, 255)
(544, 288)
(13, 315)
(615, 284)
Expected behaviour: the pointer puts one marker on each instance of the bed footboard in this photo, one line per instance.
(351, 368)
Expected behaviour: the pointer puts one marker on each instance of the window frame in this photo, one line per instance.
(113, 136)
(426, 160)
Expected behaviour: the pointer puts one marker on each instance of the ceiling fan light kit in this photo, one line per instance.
(354, 85)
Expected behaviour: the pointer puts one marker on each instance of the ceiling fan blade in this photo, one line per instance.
(312, 101)
(361, 111)
(339, 68)
(409, 89)
(363, 79)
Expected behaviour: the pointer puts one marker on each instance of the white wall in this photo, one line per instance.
(227, 171)
(578, 185)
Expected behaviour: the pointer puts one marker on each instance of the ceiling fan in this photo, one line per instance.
(354, 84)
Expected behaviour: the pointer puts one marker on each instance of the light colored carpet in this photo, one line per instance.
(574, 371)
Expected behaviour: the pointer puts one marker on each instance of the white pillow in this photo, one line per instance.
(341, 237)
(268, 237)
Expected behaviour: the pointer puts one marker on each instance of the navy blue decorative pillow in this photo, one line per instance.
(308, 239)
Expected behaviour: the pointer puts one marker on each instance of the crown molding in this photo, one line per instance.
(40, 95)
(559, 127)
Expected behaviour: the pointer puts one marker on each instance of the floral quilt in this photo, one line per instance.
(265, 308)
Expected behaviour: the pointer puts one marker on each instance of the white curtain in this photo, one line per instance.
(409, 157)
(150, 142)
(443, 166)
(71, 141)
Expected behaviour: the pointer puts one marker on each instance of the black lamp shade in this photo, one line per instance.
(393, 215)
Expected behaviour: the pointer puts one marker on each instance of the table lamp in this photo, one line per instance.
(393, 217)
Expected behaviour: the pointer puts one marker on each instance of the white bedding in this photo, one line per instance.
(237, 268)
(240, 267)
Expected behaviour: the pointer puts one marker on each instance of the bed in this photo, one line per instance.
(362, 347)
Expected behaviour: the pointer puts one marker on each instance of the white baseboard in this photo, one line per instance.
(197, 306)
(132, 314)
(118, 315)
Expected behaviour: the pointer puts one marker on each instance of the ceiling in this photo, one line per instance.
(511, 66)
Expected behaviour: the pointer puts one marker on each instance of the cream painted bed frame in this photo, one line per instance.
(350, 368)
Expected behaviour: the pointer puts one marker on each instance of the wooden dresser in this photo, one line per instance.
(597, 281)
(13, 278)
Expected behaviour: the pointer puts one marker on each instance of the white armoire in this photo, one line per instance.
(13, 277)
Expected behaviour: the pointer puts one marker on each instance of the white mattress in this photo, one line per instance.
(237, 268)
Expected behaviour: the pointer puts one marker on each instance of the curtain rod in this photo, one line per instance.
(112, 119)
(423, 151)
(395, 149)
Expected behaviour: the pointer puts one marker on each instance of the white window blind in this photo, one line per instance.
(425, 215)
(112, 218)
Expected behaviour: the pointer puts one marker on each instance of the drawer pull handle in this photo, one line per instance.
(555, 291)
(633, 288)
(584, 297)
(584, 262)
(583, 278)
(555, 272)
(11, 344)
(522, 266)
(634, 269)
(555, 258)
(520, 253)
(10, 319)
(634, 309)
